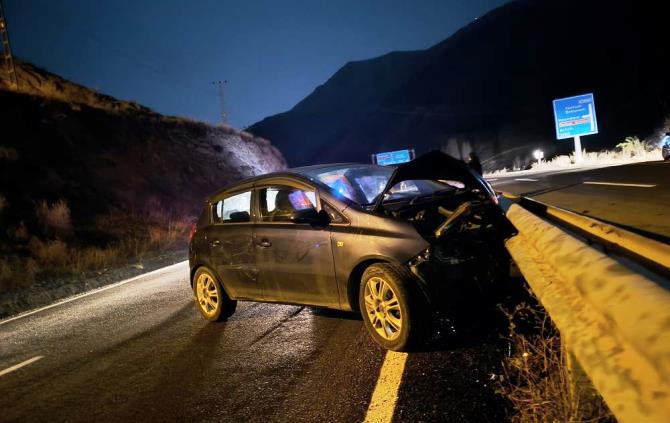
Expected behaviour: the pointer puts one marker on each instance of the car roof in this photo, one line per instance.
(302, 172)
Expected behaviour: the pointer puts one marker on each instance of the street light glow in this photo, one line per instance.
(538, 154)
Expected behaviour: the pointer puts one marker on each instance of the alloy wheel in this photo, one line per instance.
(383, 308)
(207, 293)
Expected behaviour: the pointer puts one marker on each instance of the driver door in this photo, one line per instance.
(295, 260)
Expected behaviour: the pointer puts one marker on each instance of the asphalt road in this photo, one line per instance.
(636, 196)
(139, 351)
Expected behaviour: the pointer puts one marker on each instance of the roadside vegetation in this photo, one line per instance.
(49, 244)
(631, 150)
(536, 377)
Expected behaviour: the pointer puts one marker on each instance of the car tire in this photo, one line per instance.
(210, 297)
(396, 327)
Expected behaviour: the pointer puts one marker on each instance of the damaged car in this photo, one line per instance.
(393, 243)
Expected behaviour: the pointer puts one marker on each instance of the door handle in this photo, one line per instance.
(215, 243)
(265, 243)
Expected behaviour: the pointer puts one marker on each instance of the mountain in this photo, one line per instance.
(489, 87)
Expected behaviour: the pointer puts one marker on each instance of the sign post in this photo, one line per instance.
(575, 117)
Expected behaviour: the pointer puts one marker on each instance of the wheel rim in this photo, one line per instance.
(207, 292)
(383, 308)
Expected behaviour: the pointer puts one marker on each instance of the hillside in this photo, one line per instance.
(87, 181)
(489, 87)
(98, 152)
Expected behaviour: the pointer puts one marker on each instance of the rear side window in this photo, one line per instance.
(236, 208)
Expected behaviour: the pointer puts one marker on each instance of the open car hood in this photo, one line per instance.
(436, 166)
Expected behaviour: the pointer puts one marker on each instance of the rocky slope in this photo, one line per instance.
(489, 87)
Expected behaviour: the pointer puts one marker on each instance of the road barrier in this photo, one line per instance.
(614, 317)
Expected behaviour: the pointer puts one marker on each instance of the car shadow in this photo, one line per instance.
(335, 314)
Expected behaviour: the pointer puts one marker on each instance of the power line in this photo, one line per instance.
(7, 50)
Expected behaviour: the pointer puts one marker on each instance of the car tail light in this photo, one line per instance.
(191, 233)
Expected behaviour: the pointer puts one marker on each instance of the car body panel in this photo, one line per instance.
(298, 265)
(231, 256)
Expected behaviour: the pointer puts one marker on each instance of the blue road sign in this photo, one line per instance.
(575, 116)
(393, 157)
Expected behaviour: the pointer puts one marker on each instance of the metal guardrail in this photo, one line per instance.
(614, 320)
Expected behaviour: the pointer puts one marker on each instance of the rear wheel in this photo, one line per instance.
(394, 309)
(210, 298)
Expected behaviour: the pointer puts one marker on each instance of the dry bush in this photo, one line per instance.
(16, 273)
(536, 379)
(53, 255)
(5, 270)
(8, 153)
(634, 147)
(94, 258)
(148, 230)
(54, 219)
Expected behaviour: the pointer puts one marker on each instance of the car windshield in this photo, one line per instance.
(364, 183)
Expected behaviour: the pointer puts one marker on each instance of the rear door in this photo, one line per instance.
(295, 261)
(230, 239)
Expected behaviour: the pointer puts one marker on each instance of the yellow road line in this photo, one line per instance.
(22, 364)
(385, 395)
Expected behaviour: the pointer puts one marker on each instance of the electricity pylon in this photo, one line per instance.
(224, 117)
(7, 50)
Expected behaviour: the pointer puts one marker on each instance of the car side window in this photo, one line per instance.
(279, 203)
(236, 208)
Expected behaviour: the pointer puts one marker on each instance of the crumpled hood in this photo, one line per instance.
(436, 165)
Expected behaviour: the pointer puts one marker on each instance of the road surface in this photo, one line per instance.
(139, 351)
(636, 196)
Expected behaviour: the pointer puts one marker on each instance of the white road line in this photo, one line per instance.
(95, 291)
(385, 395)
(491, 179)
(22, 364)
(526, 180)
(618, 184)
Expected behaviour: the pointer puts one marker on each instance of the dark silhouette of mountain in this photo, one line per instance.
(489, 87)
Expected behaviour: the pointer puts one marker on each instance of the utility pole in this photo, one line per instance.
(224, 117)
(7, 51)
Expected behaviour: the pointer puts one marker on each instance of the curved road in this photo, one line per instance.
(139, 351)
(635, 196)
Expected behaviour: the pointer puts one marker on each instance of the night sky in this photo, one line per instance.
(165, 54)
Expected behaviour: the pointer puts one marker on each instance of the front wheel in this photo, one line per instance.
(394, 309)
(210, 298)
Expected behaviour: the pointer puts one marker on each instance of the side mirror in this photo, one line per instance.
(240, 216)
(311, 216)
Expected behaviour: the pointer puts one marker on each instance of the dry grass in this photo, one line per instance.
(632, 150)
(55, 218)
(133, 236)
(8, 153)
(536, 379)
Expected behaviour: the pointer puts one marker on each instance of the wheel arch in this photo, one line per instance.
(354, 280)
(198, 266)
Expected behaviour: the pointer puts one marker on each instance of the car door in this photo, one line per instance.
(230, 239)
(294, 260)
